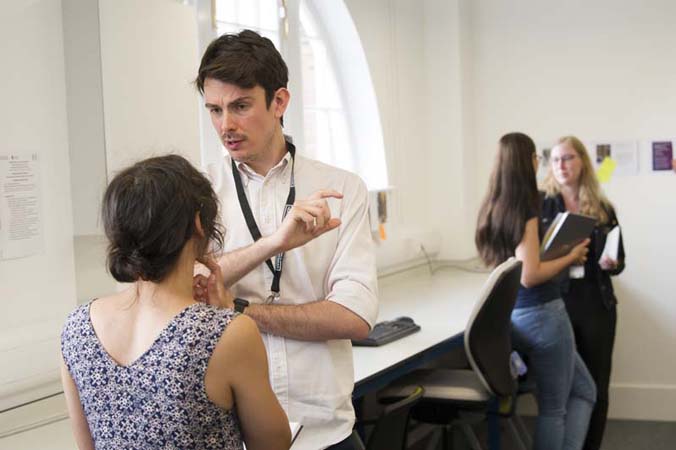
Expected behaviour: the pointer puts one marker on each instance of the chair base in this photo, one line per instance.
(458, 432)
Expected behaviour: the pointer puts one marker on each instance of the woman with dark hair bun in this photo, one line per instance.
(149, 367)
(508, 225)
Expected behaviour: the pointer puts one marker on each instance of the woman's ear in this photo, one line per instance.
(198, 225)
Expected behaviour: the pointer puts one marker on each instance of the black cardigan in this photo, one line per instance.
(551, 206)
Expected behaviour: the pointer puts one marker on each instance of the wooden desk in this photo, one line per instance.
(441, 304)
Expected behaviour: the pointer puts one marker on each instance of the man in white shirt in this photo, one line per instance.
(312, 300)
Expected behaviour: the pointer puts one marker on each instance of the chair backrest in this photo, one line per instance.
(391, 429)
(488, 342)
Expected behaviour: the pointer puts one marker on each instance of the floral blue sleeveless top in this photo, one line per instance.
(159, 401)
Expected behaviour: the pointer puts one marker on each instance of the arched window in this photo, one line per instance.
(334, 118)
(258, 15)
(325, 128)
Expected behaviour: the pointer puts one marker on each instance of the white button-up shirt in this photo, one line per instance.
(312, 380)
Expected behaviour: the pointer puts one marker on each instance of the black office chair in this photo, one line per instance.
(489, 387)
(390, 430)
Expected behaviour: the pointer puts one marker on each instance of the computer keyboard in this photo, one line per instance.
(391, 330)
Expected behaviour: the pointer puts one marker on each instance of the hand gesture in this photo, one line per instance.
(579, 252)
(210, 288)
(306, 220)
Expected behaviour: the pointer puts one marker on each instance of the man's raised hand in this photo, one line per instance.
(307, 219)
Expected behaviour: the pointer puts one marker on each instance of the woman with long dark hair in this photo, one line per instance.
(149, 367)
(571, 185)
(508, 225)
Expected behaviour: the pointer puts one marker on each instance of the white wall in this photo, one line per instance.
(82, 55)
(599, 70)
(391, 35)
(89, 175)
(130, 67)
(132, 97)
(453, 76)
(413, 52)
(149, 60)
(36, 292)
(450, 165)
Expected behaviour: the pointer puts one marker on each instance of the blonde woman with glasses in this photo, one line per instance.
(509, 225)
(571, 185)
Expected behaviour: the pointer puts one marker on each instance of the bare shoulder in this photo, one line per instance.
(529, 239)
(240, 343)
(531, 227)
(239, 335)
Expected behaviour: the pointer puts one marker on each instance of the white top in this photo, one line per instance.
(312, 380)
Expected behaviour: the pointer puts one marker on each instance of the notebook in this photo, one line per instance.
(612, 246)
(295, 430)
(566, 231)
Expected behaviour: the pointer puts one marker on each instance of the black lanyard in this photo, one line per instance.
(276, 269)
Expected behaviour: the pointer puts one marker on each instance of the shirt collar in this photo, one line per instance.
(249, 174)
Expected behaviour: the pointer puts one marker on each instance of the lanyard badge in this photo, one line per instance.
(272, 298)
(275, 268)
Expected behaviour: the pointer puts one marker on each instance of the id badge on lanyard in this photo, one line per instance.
(275, 268)
(576, 272)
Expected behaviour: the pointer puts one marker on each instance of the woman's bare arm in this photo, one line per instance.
(83, 437)
(536, 272)
(237, 376)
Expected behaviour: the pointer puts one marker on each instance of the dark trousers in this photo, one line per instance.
(352, 442)
(594, 328)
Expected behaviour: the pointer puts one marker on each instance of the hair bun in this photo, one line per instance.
(148, 213)
(126, 266)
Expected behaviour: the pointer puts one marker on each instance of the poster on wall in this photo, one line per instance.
(662, 155)
(21, 227)
(623, 157)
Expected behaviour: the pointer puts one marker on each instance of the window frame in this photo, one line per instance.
(348, 62)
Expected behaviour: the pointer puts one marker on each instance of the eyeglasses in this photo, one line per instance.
(564, 159)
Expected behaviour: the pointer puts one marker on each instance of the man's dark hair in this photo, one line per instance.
(245, 59)
(149, 214)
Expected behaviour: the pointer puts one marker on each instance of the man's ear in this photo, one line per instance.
(198, 225)
(280, 101)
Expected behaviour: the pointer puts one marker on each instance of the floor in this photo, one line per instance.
(629, 434)
(620, 435)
